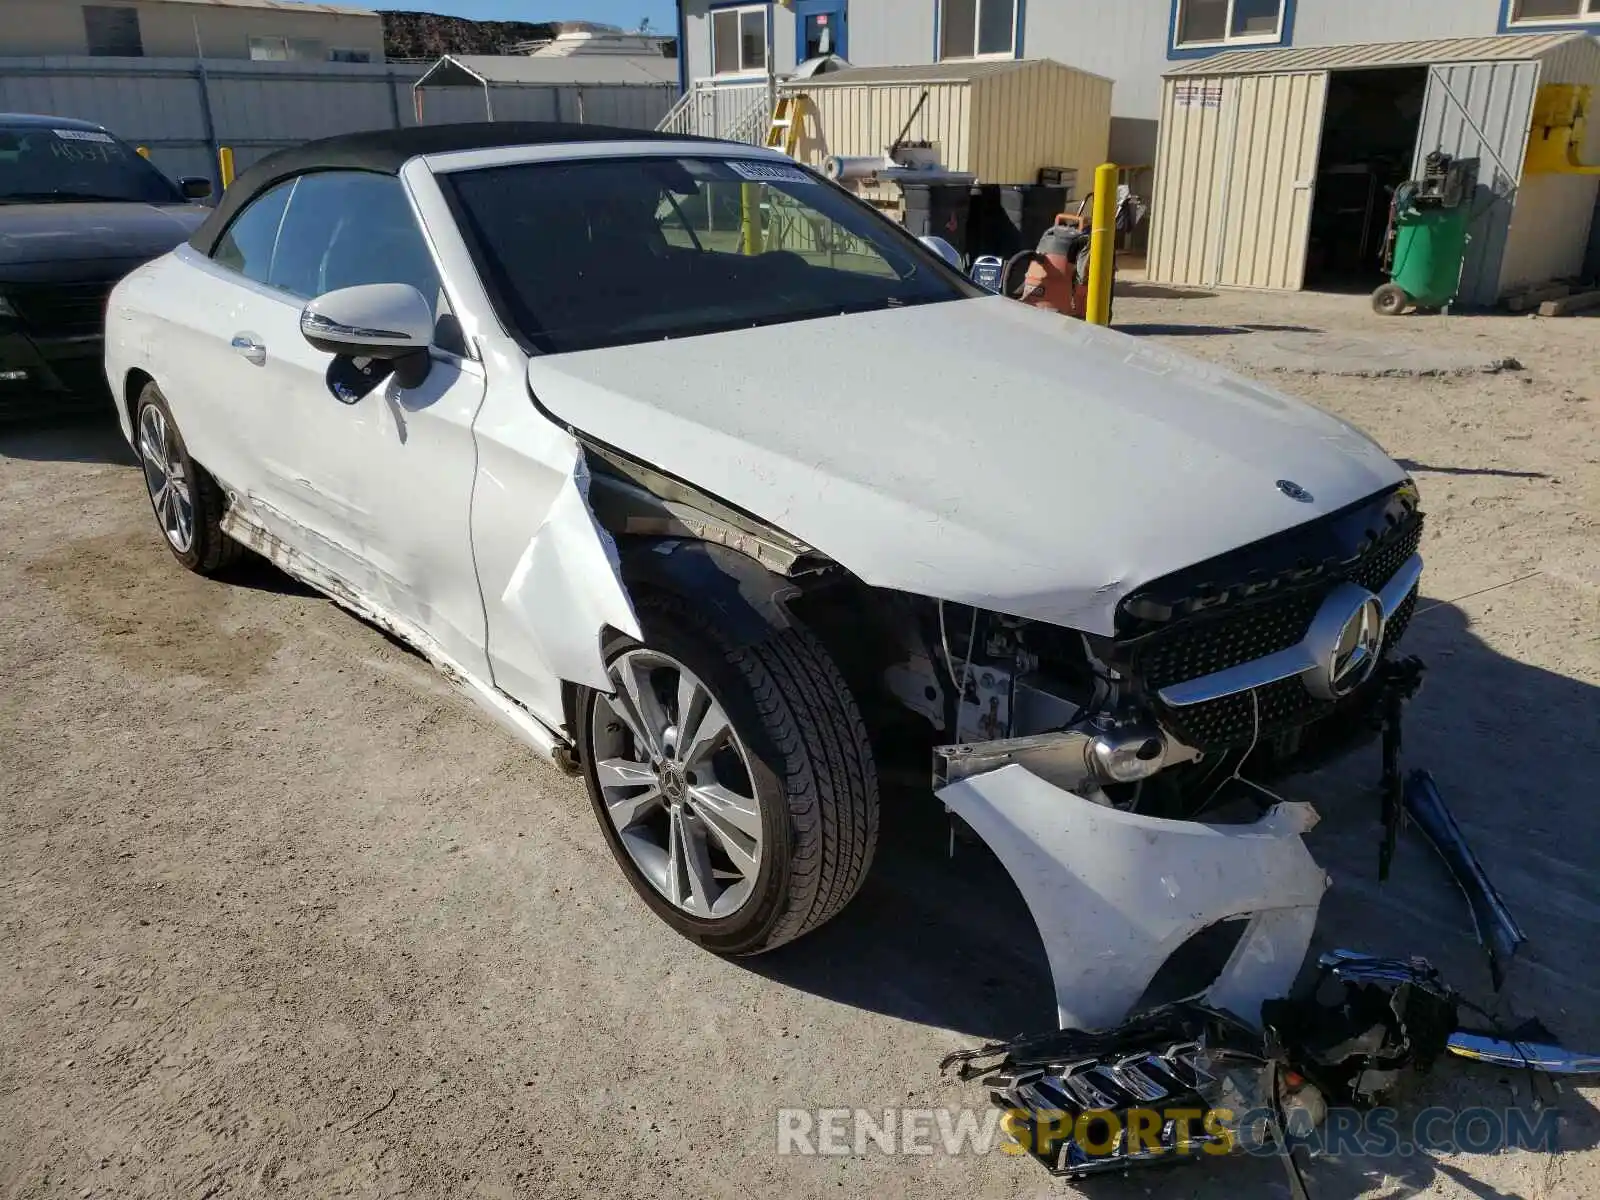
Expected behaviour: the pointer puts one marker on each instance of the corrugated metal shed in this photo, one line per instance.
(1001, 120)
(1518, 48)
(1239, 145)
(1481, 111)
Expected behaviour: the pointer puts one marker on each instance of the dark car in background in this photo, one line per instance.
(79, 209)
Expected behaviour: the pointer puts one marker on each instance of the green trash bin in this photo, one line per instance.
(1429, 247)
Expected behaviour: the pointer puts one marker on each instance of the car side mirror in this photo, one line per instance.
(390, 322)
(194, 187)
(943, 249)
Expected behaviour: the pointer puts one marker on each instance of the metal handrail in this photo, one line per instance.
(731, 111)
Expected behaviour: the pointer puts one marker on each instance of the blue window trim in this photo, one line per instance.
(1506, 26)
(683, 47)
(804, 8)
(1176, 53)
(711, 58)
(1018, 30)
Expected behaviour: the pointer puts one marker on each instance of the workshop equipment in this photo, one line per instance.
(987, 271)
(1058, 275)
(1427, 238)
(788, 118)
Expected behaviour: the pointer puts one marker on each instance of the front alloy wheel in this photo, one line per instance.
(676, 783)
(733, 782)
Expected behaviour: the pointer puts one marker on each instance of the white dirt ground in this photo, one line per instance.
(281, 914)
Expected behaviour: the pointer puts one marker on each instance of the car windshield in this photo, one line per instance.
(603, 253)
(40, 165)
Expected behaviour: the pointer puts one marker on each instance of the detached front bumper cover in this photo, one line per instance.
(1115, 894)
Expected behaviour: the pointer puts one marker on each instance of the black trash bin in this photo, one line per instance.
(938, 210)
(989, 229)
(1031, 209)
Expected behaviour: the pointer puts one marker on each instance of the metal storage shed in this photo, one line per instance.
(601, 89)
(1241, 136)
(1000, 120)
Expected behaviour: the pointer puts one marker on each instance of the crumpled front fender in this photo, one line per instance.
(1114, 894)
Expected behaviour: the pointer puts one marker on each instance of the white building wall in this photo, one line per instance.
(1344, 22)
(891, 33)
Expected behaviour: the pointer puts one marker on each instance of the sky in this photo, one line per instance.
(626, 13)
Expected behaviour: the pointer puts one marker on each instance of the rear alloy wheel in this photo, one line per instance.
(187, 502)
(734, 784)
(166, 475)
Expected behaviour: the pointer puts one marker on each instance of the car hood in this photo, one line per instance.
(66, 232)
(978, 451)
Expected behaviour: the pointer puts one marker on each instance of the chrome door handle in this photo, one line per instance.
(250, 347)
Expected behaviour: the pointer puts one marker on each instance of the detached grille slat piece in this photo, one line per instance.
(1214, 641)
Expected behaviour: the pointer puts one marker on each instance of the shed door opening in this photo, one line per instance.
(1369, 139)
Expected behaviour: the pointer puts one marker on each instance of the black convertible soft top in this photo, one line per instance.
(385, 151)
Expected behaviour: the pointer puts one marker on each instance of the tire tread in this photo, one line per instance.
(825, 758)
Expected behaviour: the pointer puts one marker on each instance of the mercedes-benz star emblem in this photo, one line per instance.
(1348, 635)
(1357, 652)
(1294, 491)
(673, 785)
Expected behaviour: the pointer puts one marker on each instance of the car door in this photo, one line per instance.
(246, 388)
(223, 404)
(372, 483)
(368, 493)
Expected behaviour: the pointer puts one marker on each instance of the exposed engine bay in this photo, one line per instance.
(1271, 654)
(1274, 655)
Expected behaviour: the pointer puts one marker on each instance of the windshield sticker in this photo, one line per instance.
(84, 135)
(87, 152)
(763, 172)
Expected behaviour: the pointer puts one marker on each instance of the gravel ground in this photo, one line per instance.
(281, 914)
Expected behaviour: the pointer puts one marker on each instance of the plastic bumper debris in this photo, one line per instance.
(1497, 929)
(1543, 1056)
(1366, 1022)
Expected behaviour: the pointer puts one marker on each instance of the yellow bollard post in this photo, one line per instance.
(144, 151)
(225, 161)
(750, 218)
(1103, 245)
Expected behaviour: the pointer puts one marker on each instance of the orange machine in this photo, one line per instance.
(1057, 278)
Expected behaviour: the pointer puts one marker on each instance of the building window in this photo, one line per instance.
(977, 28)
(112, 32)
(1553, 12)
(739, 41)
(1228, 22)
(278, 49)
(351, 56)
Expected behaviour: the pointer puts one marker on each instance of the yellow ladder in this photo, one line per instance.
(787, 116)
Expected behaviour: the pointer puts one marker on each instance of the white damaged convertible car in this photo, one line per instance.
(709, 481)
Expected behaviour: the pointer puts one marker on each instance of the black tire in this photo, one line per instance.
(810, 763)
(210, 551)
(1390, 300)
